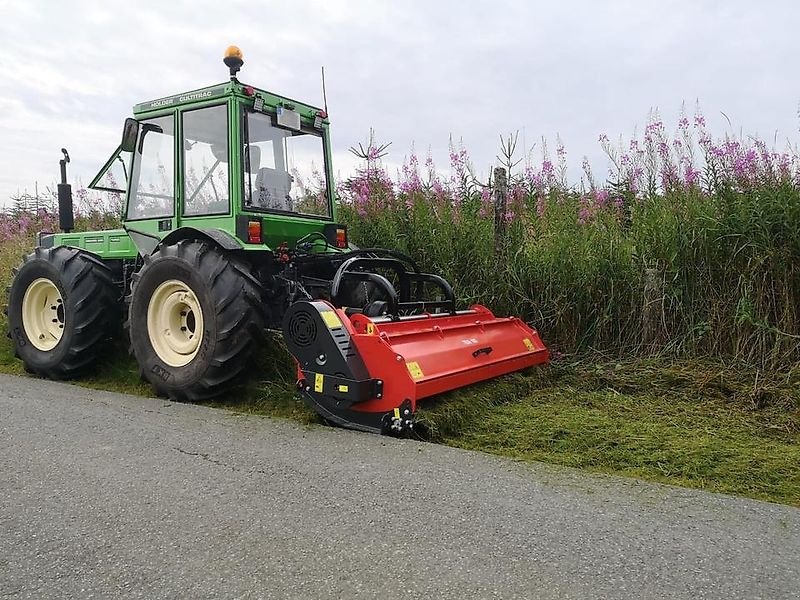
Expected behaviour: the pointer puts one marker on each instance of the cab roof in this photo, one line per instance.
(228, 89)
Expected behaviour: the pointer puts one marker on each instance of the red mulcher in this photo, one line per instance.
(367, 369)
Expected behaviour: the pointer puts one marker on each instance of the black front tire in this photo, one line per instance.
(228, 300)
(86, 316)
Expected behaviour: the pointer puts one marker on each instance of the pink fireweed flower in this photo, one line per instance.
(691, 176)
(584, 215)
(533, 179)
(541, 204)
(784, 165)
(548, 172)
(487, 205)
(410, 182)
(717, 152)
(438, 189)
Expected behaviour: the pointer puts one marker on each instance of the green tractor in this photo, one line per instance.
(229, 230)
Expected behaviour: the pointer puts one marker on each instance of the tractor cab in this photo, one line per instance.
(230, 158)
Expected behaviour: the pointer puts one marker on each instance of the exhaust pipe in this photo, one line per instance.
(66, 218)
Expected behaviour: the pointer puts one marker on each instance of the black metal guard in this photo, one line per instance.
(354, 269)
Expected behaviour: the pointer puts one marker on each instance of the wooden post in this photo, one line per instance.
(652, 297)
(500, 206)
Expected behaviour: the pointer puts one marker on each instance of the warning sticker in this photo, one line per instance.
(414, 370)
(331, 319)
(319, 381)
(529, 344)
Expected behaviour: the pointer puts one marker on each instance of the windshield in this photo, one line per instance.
(284, 170)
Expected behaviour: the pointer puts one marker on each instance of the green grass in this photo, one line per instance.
(271, 391)
(699, 425)
(11, 254)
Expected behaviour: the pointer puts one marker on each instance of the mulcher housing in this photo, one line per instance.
(225, 236)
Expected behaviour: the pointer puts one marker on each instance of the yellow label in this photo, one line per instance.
(370, 329)
(319, 381)
(414, 370)
(529, 344)
(396, 413)
(331, 319)
(344, 389)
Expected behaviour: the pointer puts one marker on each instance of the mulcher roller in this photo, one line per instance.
(368, 373)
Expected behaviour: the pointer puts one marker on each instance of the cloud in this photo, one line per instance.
(418, 72)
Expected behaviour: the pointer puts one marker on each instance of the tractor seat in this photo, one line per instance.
(272, 189)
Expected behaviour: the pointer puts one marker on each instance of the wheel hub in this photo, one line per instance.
(43, 314)
(175, 323)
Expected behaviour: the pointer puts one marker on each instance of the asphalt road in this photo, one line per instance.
(104, 495)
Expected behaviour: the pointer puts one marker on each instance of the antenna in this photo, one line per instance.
(324, 95)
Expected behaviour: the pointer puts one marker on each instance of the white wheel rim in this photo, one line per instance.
(43, 314)
(175, 323)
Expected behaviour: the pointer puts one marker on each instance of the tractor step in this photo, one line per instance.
(368, 373)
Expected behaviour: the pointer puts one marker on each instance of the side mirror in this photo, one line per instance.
(147, 128)
(130, 131)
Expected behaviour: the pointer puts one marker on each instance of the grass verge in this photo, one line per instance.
(694, 424)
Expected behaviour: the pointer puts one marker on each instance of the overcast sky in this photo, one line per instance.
(415, 71)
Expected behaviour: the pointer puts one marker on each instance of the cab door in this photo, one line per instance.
(150, 210)
(205, 194)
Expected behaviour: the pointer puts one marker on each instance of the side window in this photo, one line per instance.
(205, 161)
(113, 177)
(152, 192)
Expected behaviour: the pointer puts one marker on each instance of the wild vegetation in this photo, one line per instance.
(690, 248)
(667, 290)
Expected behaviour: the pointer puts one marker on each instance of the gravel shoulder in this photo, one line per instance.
(109, 495)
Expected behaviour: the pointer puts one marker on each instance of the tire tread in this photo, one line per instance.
(239, 313)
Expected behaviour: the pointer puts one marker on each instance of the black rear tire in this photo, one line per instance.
(229, 320)
(86, 313)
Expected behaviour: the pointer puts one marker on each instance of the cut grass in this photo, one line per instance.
(706, 446)
(699, 424)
